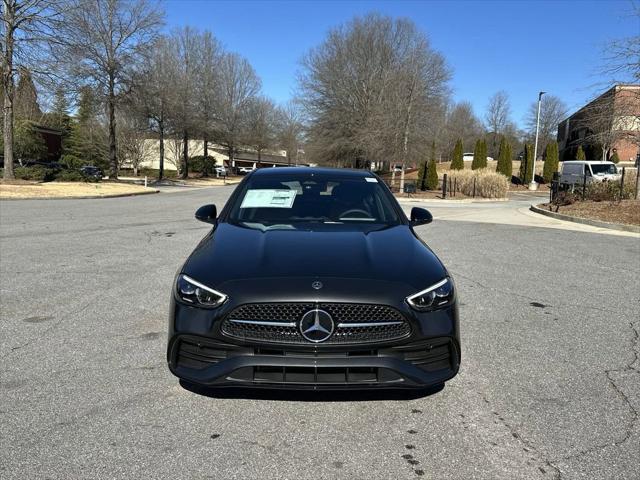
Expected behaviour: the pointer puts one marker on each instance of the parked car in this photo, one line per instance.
(397, 168)
(576, 172)
(221, 171)
(317, 301)
(468, 157)
(245, 170)
(91, 171)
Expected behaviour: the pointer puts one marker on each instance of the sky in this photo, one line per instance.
(519, 46)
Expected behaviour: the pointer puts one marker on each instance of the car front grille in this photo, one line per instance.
(279, 322)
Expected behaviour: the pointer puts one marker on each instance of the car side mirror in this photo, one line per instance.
(420, 216)
(207, 214)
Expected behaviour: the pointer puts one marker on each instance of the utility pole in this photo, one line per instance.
(533, 185)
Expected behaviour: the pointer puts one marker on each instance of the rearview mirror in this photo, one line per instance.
(207, 214)
(420, 216)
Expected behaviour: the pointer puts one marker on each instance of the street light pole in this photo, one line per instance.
(533, 185)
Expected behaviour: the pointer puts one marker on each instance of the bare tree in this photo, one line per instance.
(552, 112)
(261, 125)
(131, 139)
(153, 92)
(462, 123)
(104, 42)
(290, 129)
(26, 27)
(496, 119)
(183, 109)
(238, 85)
(369, 90)
(209, 53)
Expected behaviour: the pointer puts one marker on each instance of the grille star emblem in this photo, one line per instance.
(316, 325)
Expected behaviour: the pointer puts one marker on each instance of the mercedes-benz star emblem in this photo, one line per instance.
(316, 285)
(316, 325)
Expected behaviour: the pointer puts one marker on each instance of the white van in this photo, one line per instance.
(573, 172)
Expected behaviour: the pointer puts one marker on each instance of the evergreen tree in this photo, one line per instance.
(551, 162)
(87, 141)
(26, 98)
(422, 176)
(615, 158)
(526, 165)
(432, 176)
(504, 159)
(580, 154)
(479, 155)
(457, 162)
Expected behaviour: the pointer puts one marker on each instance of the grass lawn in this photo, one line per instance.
(24, 189)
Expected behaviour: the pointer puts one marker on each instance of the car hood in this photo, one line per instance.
(232, 254)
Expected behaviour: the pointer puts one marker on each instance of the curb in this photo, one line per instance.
(585, 221)
(441, 200)
(84, 197)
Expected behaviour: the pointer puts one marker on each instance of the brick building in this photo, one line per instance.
(609, 123)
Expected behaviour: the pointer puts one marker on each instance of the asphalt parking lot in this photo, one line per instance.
(549, 386)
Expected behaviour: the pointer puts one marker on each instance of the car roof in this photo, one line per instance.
(312, 170)
(580, 162)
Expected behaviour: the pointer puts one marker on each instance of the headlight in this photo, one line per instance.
(436, 296)
(190, 291)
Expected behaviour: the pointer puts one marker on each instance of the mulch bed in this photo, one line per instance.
(626, 211)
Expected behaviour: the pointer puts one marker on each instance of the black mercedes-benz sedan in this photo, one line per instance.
(313, 278)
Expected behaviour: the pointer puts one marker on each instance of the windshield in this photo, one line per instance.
(603, 168)
(286, 200)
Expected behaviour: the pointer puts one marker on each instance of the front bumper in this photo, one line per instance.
(212, 362)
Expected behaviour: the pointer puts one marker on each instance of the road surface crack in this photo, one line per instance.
(632, 410)
(528, 445)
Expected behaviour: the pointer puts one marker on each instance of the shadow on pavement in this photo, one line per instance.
(293, 395)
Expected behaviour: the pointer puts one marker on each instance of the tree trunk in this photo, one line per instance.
(259, 157)
(185, 154)
(230, 154)
(205, 163)
(161, 166)
(7, 82)
(111, 110)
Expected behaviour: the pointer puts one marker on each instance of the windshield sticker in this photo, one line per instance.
(371, 179)
(268, 199)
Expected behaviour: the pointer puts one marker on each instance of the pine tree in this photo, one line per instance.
(526, 165)
(86, 144)
(457, 162)
(580, 154)
(479, 155)
(422, 176)
(615, 158)
(26, 98)
(550, 162)
(504, 159)
(432, 176)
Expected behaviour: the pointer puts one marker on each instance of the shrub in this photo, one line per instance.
(550, 162)
(197, 164)
(580, 154)
(457, 162)
(432, 176)
(610, 191)
(615, 158)
(505, 167)
(37, 173)
(479, 155)
(73, 176)
(488, 184)
(71, 161)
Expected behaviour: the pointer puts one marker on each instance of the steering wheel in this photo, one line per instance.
(355, 210)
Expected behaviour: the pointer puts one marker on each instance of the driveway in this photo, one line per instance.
(549, 385)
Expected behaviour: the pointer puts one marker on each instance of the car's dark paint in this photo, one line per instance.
(356, 265)
(420, 216)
